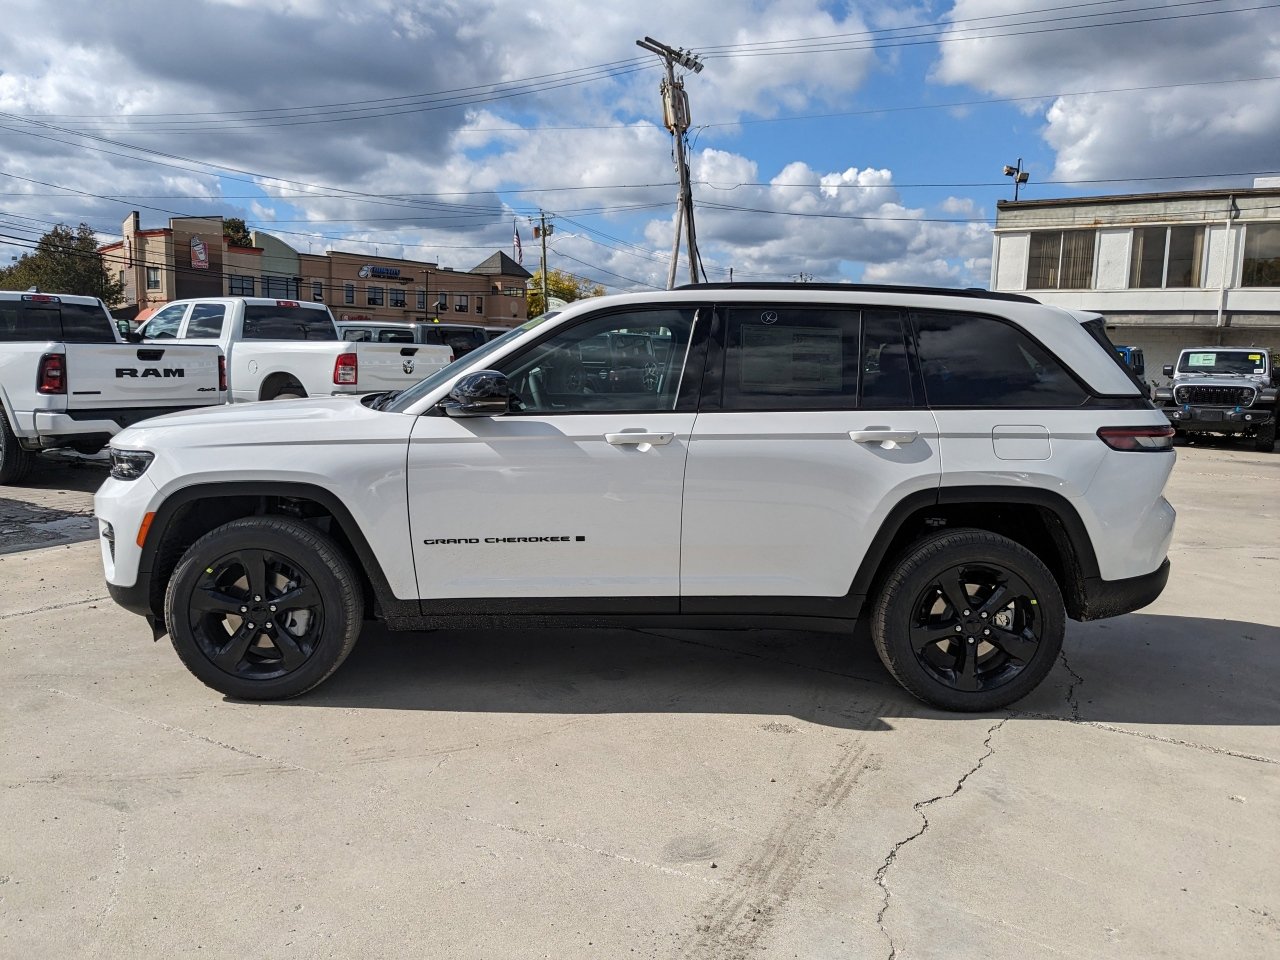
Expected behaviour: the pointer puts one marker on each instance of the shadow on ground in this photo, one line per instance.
(1143, 668)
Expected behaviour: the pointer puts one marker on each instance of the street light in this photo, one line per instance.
(1019, 175)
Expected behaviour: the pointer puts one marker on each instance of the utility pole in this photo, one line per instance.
(541, 230)
(675, 117)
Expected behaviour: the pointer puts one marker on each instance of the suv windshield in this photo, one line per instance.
(1243, 362)
(474, 359)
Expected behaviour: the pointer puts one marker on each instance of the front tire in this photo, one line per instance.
(969, 620)
(15, 462)
(1265, 439)
(263, 608)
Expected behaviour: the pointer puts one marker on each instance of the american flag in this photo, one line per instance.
(516, 248)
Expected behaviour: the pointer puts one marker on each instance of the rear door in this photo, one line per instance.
(811, 429)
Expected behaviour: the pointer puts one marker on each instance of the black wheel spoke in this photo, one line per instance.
(967, 667)
(291, 654)
(303, 597)
(955, 591)
(922, 635)
(1020, 646)
(229, 657)
(213, 600)
(254, 563)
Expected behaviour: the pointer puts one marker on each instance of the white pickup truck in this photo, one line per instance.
(68, 380)
(286, 349)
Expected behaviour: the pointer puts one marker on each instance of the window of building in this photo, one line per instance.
(349, 293)
(422, 299)
(397, 296)
(153, 278)
(283, 288)
(1261, 266)
(442, 301)
(480, 305)
(121, 278)
(206, 321)
(969, 360)
(374, 296)
(240, 286)
(1061, 260)
(317, 291)
(788, 358)
(1166, 257)
(460, 303)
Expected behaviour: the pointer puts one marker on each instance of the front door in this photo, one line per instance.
(575, 493)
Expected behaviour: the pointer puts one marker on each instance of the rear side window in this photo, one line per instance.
(969, 360)
(22, 324)
(275, 322)
(886, 374)
(788, 358)
(86, 324)
(395, 336)
(1098, 331)
(206, 321)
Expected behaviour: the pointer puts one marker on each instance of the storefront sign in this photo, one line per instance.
(369, 270)
(199, 253)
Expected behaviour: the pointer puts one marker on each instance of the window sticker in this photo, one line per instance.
(1201, 359)
(791, 359)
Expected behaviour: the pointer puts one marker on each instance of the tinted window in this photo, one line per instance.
(463, 341)
(639, 371)
(886, 375)
(975, 361)
(22, 324)
(206, 321)
(356, 334)
(86, 324)
(395, 336)
(274, 322)
(164, 325)
(788, 358)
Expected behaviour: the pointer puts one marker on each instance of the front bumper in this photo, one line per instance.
(1111, 598)
(1218, 419)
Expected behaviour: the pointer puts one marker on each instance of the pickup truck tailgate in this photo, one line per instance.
(129, 376)
(394, 366)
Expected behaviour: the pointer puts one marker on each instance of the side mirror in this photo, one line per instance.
(127, 333)
(1168, 369)
(484, 393)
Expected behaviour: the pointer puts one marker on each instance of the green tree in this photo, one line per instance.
(564, 286)
(65, 261)
(236, 233)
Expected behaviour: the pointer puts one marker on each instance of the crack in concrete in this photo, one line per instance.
(919, 807)
(57, 606)
(1076, 680)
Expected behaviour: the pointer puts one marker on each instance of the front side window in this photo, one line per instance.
(1261, 266)
(349, 293)
(1061, 260)
(1166, 257)
(791, 358)
(153, 278)
(206, 321)
(374, 296)
(618, 362)
(397, 297)
(970, 360)
(240, 286)
(164, 325)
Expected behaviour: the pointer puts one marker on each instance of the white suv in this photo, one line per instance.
(966, 469)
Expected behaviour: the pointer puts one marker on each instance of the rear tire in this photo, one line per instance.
(969, 620)
(263, 608)
(1265, 439)
(15, 462)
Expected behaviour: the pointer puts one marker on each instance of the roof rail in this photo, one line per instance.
(976, 293)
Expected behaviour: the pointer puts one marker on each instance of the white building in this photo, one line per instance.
(1167, 270)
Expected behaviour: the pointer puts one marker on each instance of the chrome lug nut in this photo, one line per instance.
(970, 639)
(959, 629)
(986, 633)
(983, 615)
(251, 626)
(273, 608)
(244, 609)
(966, 613)
(257, 599)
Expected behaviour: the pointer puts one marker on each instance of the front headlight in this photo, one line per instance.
(130, 464)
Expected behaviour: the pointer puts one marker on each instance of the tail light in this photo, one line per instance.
(51, 377)
(222, 373)
(1137, 438)
(346, 368)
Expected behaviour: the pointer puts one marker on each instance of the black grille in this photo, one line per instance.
(1215, 396)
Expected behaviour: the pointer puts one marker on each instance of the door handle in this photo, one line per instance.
(645, 439)
(888, 439)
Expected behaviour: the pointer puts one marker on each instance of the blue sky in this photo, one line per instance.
(153, 106)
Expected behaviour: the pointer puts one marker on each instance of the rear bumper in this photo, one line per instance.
(1111, 598)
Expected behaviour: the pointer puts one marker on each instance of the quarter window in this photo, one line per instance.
(1261, 255)
(787, 358)
(618, 362)
(969, 360)
(1061, 260)
(1166, 257)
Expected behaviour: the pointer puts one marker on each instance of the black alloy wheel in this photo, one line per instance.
(969, 620)
(263, 608)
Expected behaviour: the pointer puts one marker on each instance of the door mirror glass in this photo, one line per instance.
(1168, 369)
(484, 393)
